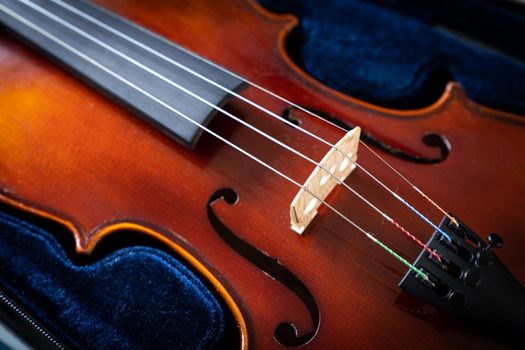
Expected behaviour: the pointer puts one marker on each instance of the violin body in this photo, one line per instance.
(70, 154)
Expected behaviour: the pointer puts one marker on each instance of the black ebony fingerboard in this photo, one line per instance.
(64, 28)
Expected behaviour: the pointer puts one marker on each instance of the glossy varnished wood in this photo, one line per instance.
(67, 151)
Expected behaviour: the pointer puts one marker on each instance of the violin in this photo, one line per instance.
(320, 220)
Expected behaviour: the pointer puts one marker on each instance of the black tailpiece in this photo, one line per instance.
(471, 282)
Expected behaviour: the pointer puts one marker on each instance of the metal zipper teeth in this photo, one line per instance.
(4, 299)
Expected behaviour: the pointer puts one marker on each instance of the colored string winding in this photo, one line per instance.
(417, 271)
(415, 239)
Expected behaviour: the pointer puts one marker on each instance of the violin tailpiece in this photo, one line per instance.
(336, 165)
(470, 282)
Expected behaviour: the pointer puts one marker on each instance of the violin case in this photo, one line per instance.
(393, 53)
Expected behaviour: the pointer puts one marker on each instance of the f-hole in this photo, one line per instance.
(432, 140)
(285, 333)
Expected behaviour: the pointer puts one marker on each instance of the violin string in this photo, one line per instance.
(260, 132)
(270, 113)
(414, 187)
(100, 66)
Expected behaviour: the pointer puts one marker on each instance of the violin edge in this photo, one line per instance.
(453, 90)
(178, 248)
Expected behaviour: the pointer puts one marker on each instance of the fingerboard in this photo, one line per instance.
(126, 62)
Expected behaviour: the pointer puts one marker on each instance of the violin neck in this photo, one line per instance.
(126, 62)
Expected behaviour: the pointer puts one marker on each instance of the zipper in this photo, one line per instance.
(30, 322)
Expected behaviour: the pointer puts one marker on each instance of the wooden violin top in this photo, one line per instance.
(70, 153)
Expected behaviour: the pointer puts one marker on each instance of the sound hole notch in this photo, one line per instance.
(285, 333)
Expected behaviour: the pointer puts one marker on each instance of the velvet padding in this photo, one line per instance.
(402, 53)
(134, 298)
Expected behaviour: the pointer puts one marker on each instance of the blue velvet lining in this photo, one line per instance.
(137, 297)
(396, 53)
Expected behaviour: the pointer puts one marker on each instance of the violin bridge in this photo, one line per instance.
(320, 183)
